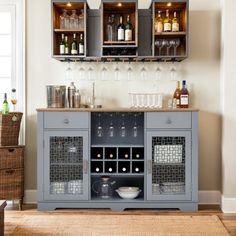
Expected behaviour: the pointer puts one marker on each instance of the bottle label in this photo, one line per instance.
(121, 34)
(167, 27)
(62, 49)
(74, 51)
(66, 50)
(184, 99)
(128, 35)
(81, 49)
(5, 109)
(159, 27)
(175, 27)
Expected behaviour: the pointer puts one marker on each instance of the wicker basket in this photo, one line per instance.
(9, 128)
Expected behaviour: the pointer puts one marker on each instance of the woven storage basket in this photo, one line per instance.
(9, 128)
(11, 183)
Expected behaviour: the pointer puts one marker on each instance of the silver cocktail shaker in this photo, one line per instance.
(71, 95)
(77, 99)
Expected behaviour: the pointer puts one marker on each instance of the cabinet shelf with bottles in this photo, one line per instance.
(170, 29)
(69, 29)
(119, 24)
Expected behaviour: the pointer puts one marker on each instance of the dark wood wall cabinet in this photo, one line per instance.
(159, 33)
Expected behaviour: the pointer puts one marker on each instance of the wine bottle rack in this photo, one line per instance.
(123, 160)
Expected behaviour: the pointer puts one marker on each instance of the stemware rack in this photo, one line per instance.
(146, 44)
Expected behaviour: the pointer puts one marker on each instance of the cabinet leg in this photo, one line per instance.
(20, 204)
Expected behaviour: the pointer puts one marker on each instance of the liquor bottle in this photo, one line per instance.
(159, 23)
(167, 22)
(111, 31)
(176, 95)
(121, 30)
(175, 23)
(81, 45)
(128, 30)
(5, 107)
(62, 44)
(66, 45)
(74, 46)
(184, 96)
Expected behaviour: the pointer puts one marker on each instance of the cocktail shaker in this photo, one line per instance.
(71, 95)
(77, 99)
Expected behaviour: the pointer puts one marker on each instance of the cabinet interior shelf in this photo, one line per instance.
(183, 33)
(119, 42)
(117, 199)
(119, 46)
(168, 164)
(122, 160)
(118, 174)
(69, 30)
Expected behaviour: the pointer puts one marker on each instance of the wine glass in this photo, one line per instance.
(99, 127)
(117, 70)
(158, 72)
(81, 72)
(104, 71)
(123, 128)
(158, 44)
(13, 99)
(164, 43)
(177, 43)
(130, 71)
(143, 72)
(90, 71)
(135, 127)
(69, 71)
(173, 72)
(111, 127)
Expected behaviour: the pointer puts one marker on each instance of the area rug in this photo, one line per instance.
(81, 224)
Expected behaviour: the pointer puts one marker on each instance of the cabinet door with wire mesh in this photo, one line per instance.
(168, 165)
(66, 165)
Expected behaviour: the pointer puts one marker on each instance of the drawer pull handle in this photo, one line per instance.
(168, 121)
(66, 121)
(9, 172)
(11, 150)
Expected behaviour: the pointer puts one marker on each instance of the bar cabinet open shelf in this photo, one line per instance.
(58, 7)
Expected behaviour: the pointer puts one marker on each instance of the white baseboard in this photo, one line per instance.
(205, 197)
(228, 205)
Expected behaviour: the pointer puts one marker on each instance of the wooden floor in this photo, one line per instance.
(228, 220)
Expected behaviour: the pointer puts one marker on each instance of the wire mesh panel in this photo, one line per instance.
(168, 165)
(66, 165)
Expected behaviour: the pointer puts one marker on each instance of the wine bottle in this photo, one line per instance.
(5, 107)
(121, 30)
(66, 45)
(159, 23)
(111, 28)
(167, 22)
(175, 23)
(62, 44)
(177, 94)
(81, 45)
(74, 46)
(184, 96)
(128, 30)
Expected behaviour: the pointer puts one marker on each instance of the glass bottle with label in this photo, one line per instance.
(184, 96)
(5, 107)
(167, 22)
(128, 30)
(111, 29)
(66, 46)
(159, 23)
(121, 30)
(175, 23)
(74, 46)
(81, 45)
(62, 44)
(176, 95)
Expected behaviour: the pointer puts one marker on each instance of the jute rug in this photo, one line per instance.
(81, 224)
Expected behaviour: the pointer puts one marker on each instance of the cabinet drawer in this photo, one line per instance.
(11, 157)
(68, 120)
(165, 120)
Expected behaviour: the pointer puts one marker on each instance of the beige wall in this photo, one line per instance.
(201, 70)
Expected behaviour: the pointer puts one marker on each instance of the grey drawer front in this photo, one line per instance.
(69, 120)
(165, 120)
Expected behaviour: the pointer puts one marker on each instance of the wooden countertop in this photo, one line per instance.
(120, 109)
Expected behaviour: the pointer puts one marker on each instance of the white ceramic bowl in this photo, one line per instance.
(128, 192)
